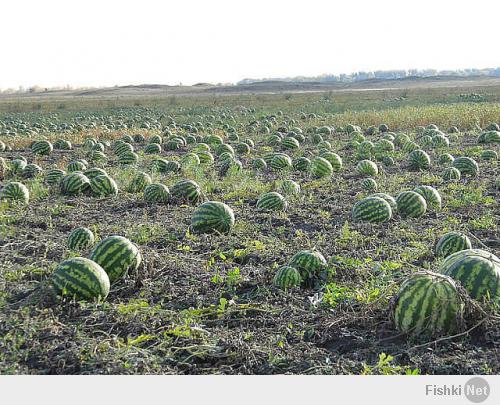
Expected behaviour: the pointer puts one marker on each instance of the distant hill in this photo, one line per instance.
(382, 75)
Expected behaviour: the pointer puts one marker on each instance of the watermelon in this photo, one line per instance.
(477, 271)
(301, 164)
(152, 148)
(411, 204)
(489, 155)
(446, 159)
(320, 167)
(156, 193)
(103, 186)
(76, 166)
(431, 196)
(205, 157)
(94, 172)
(429, 305)
(290, 143)
(31, 170)
(74, 183)
(334, 159)
(367, 168)
(80, 238)
(80, 278)
(117, 256)
(128, 158)
(212, 216)
(388, 198)
(369, 184)
(309, 263)
(190, 159)
(62, 144)
(280, 161)
(42, 148)
(419, 160)
(448, 261)
(452, 242)
(259, 164)
(466, 166)
(451, 174)
(272, 201)
(372, 209)
(139, 182)
(289, 187)
(15, 192)
(187, 190)
(287, 277)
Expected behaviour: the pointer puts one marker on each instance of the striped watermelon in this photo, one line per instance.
(121, 148)
(187, 190)
(94, 172)
(431, 196)
(489, 155)
(479, 275)
(451, 174)
(128, 158)
(139, 182)
(466, 166)
(42, 148)
(230, 166)
(419, 160)
(31, 170)
(259, 164)
(117, 256)
(160, 165)
(367, 168)
(428, 304)
(224, 148)
(369, 184)
(98, 156)
(152, 148)
(80, 239)
(76, 166)
(190, 159)
(103, 186)
(54, 176)
(81, 279)
(320, 167)
(17, 166)
(289, 187)
(388, 161)
(280, 161)
(287, 277)
(388, 198)
(243, 148)
(372, 209)
(74, 183)
(290, 143)
(212, 216)
(15, 192)
(272, 201)
(156, 193)
(156, 139)
(452, 242)
(411, 204)
(446, 159)
(301, 164)
(205, 157)
(309, 263)
(334, 159)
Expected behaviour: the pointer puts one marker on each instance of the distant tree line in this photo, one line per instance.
(381, 74)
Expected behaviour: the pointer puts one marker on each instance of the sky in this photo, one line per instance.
(107, 42)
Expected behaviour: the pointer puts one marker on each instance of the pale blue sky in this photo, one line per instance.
(95, 43)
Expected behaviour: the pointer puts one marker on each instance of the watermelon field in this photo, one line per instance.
(269, 234)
